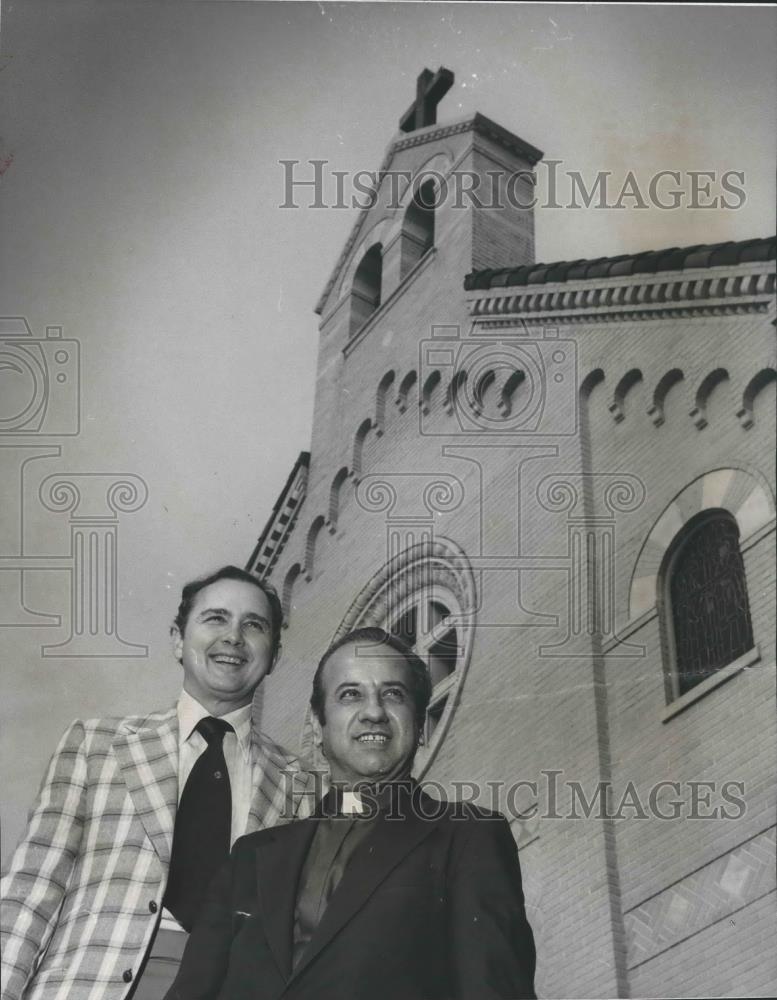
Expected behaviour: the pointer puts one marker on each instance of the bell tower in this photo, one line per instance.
(450, 197)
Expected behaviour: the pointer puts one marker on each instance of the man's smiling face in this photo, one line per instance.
(369, 731)
(226, 646)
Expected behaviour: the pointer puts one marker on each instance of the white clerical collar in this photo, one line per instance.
(190, 711)
(352, 804)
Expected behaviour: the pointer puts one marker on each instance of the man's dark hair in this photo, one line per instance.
(191, 590)
(420, 682)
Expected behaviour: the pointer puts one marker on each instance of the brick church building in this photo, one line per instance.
(557, 482)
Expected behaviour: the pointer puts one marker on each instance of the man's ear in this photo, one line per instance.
(318, 736)
(177, 640)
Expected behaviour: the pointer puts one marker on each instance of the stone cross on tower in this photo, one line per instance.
(430, 90)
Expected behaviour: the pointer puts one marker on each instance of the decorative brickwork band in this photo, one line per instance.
(639, 297)
(704, 897)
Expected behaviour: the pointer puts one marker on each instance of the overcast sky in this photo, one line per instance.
(140, 149)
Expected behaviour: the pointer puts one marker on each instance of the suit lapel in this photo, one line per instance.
(282, 791)
(375, 858)
(148, 759)
(279, 863)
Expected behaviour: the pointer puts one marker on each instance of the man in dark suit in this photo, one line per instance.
(385, 893)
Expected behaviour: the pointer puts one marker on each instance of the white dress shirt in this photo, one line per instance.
(237, 754)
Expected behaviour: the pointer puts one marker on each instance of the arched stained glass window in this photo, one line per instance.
(425, 624)
(707, 596)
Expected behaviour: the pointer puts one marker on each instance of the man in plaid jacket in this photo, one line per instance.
(84, 895)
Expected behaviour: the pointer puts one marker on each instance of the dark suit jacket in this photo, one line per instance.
(429, 907)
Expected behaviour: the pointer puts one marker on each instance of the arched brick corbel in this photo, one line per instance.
(708, 384)
(310, 545)
(380, 401)
(427, 392)
(288, 591)
(405, 386)
(456, 387)
(509, 389)
(485, 382)
(334, 499)
(590, 382)
(358, 448)
(754, 386)
(622, 389)
(656, 409)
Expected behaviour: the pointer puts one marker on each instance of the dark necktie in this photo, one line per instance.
(202, 827)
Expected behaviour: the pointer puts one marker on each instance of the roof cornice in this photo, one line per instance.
(713, 291)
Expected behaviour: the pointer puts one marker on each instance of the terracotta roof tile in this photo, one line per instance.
(647, 262)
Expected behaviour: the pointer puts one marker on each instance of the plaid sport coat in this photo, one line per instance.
(83, 892)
